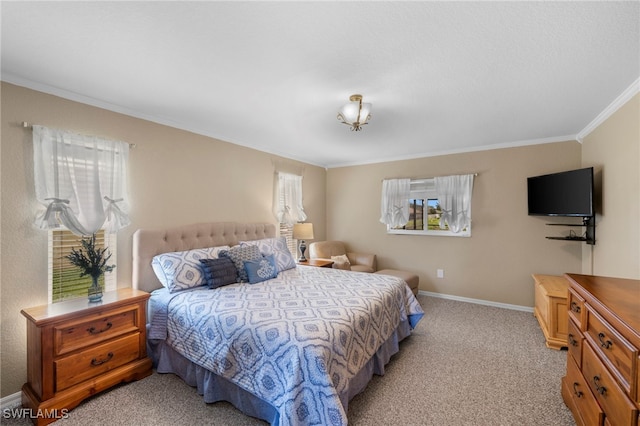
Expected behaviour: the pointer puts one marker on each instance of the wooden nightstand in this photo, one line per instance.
(76, 349)
(319, 263)
(551, 308)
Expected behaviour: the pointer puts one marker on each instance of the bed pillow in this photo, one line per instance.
(341, 262)
(219, 272)
(276, 247)
(238, 254)
(262, 269)
(180, 270)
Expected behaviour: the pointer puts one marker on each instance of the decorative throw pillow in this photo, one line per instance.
(341, 262)
(262, 269)
(238, 254)
(276, 247)
(219, 272)
(181, 270)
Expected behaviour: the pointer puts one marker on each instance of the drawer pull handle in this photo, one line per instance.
(573, 341)
(93, 330)
(604, 344)
(575, 308)
(600, 389)
(95, 362)
(576, 391)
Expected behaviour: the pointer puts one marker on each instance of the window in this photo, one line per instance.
(81, 185)
(80, 181)
(287, 198)
(287, 231)
(416, 215)
(64, 278)
(434, 212)
(287, 206)
(422, 196)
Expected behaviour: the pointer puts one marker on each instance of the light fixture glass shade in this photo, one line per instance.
(303, 231)
(355, 113)
(365, 113)
(350, 111)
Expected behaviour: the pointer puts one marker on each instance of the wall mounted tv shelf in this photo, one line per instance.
(588, 237)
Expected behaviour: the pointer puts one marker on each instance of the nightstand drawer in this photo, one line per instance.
(83, 332)
(92, 362)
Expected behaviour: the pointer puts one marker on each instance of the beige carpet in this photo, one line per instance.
(464, 364)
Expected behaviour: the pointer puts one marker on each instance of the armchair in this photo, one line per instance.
(361, 262)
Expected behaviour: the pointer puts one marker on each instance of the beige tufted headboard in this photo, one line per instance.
(148, 243)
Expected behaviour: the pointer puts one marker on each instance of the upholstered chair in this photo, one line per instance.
(336, 250)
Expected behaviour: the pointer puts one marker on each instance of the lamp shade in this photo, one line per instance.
(303, 231)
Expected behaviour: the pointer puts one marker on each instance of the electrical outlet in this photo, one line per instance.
(440, 273)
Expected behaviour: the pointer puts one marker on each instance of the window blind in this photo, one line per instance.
(64, 278)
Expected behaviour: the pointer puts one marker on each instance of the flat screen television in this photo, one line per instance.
(567, 193)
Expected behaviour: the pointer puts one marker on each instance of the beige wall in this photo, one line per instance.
(506, 245)
(176, 178)
(613, 149)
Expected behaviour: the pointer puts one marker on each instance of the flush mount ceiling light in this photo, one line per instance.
(355, 113)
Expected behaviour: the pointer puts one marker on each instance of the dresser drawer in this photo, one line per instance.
(574, 343)
(94, 361)
(577, 393)
(615, 348)
(617, 407)
(72, 335)
(576, 308)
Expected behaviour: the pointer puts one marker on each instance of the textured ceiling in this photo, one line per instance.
(442, 76)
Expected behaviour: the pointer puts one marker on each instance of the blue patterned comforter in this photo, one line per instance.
(294, 341)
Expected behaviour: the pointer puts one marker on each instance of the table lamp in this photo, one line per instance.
(303, 231)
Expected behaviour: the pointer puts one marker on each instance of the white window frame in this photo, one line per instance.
(287, 232)
(426, 189)
(110, 278)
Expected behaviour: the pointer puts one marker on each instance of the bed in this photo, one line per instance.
(292, 349)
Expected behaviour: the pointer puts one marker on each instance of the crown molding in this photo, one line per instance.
(608, 111)
(515, 144)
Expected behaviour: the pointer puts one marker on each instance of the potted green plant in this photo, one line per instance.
(92, 261)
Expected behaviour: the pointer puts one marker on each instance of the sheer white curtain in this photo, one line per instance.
(287, 201)
(454, 195)
(80, 181)
(394, 206)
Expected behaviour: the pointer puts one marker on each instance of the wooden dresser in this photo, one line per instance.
(76, 349)
(601, 384)
(551, 292)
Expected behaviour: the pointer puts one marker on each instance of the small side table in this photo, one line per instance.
(551, 292)
(318, 263)
(76, 349)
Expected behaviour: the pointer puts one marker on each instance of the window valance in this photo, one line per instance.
(80, 181)
(454, 194)
(288, 208)
(394, 208)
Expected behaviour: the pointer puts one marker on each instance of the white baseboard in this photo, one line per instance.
(11, 401)
(477, 301)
